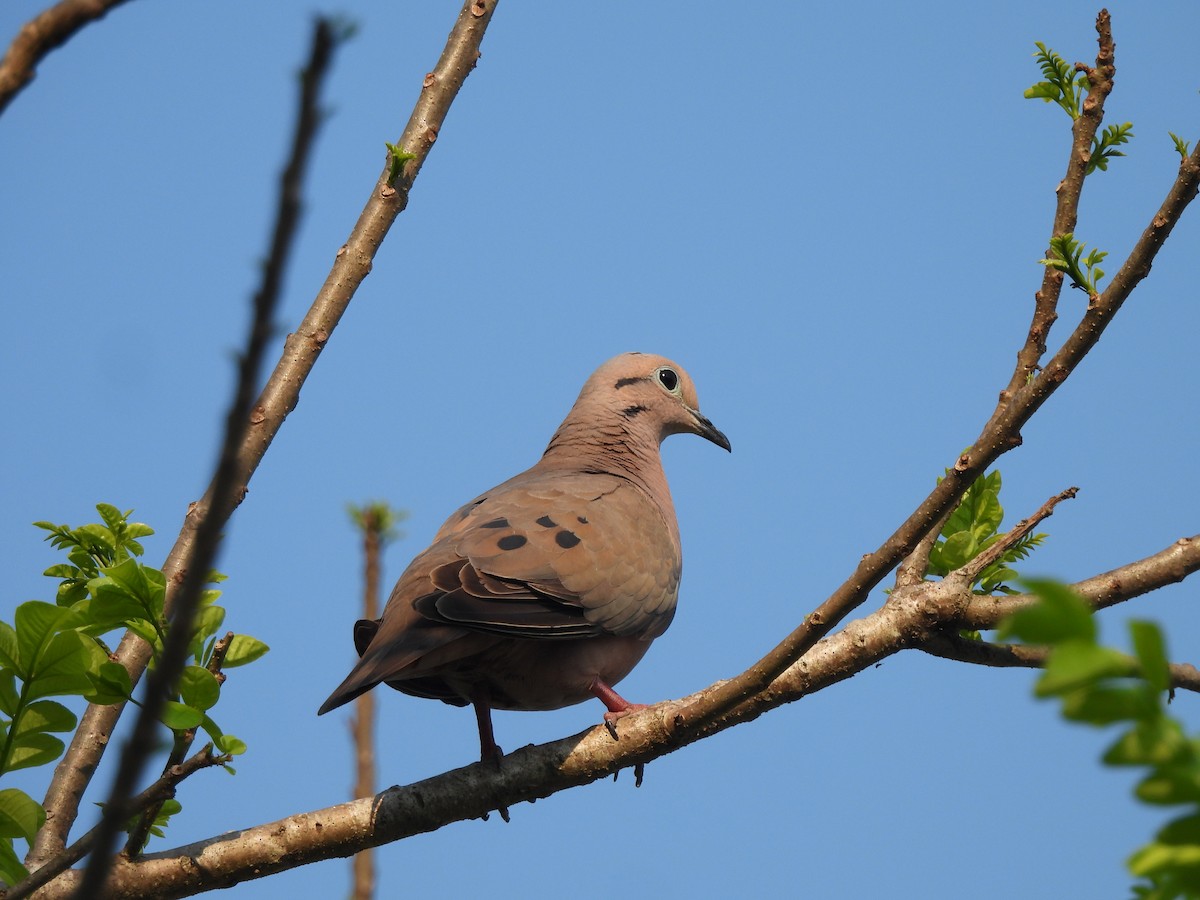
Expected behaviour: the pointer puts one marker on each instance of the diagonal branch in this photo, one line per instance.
(49, 29)
(282, 391)
(152, 797)
(1184, 676)
(1001, 434)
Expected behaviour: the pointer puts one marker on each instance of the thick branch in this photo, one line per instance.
(1184, 676)
(527, 774)
(44, 32)
(282, 391)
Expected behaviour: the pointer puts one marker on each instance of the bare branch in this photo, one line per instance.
(1184, 676)
(44, 32)
(1168, 566)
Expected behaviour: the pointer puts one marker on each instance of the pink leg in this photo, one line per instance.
(488, 749)
(617, 705)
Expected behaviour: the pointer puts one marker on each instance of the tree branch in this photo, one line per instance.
(282, 391)
(1066, 213)
(47, 30)
(1168, 566)
(912, 618)
(974, 567)
(1184, 676)
(153, 796)
(1001, 434)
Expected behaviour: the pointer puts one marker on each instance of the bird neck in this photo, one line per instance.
(611, 447)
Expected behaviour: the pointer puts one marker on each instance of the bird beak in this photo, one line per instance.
(709, 432)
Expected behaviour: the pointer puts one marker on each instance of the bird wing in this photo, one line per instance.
(557, 556)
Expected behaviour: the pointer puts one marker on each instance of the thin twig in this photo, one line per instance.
(153, 796)
(139, 834)
(47, 30)
(1184, 676)
(228, 488)
(974, 567)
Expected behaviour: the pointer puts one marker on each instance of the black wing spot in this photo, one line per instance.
(496, 523)
(582, 520)
(547, 522)
(566, 539)
(511, 541)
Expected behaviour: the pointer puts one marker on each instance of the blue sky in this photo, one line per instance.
(831, 216)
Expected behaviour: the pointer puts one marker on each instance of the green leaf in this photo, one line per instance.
(45, 715)
(224, 743)
(1076, 663)
(1168, 786)
(199, 688)
(110, 684)
(20, 815)
(1184, 830)
(36, 624)
(11, 870)
(243, 649)
(227, 743)
(8, 692)
(10, 655)
(1154, 743)
(1155, 858)
(34, 749)
(1151, 652)
(1059, 615)
(1106, 705)
(64, 666)
(112, 604)
(179, 717)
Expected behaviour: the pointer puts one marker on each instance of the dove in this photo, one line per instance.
(548, 589)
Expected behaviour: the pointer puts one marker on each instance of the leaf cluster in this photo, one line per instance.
(1103, 146)
(56, 650)
(1066, 255)
(972, 528)
(1061, 84)
(1100, 686)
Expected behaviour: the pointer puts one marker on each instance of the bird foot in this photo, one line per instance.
(611, 717)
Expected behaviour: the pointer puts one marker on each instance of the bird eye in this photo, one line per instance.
(668, 378)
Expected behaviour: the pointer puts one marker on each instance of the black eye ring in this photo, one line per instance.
(668, 378)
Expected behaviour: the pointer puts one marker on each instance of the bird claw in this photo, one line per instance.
(611, 717)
